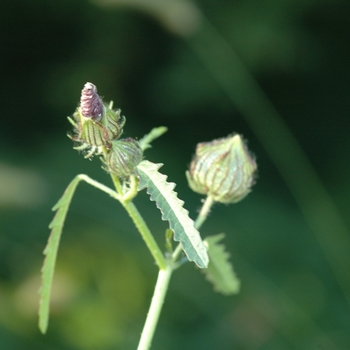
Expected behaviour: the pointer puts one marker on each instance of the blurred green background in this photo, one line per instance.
(174, 63)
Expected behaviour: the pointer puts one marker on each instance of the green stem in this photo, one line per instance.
(117, 184)
(141, 225)
(145, 233)
(98, 185)
(163, 283)
(177, 252)
(155, 308)
(203, 214)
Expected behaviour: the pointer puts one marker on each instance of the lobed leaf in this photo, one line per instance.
(171, 207)
(50, 253)
(145, 142)
(220, 271)
(51, 249)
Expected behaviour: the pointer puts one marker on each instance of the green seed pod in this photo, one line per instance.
(222, 169)
(123, 157)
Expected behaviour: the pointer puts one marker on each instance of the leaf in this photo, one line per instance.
(171, 207)
(51, 253)
(51, 248)
(145, 142)
(168, 240)
(220, 271)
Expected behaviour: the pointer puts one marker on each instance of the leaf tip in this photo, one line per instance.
(42, 328)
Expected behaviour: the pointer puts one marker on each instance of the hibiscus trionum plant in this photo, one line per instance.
(223, 170)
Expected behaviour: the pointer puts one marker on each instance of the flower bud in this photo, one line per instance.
(123, 157)
(96, 124)
(222, 169)
(113, 123)
(90, 102)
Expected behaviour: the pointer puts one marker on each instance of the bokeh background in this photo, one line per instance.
(277, 72)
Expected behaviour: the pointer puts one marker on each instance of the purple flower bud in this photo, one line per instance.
(95, 123)
(90, 103)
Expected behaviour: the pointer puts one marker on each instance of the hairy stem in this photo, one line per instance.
(155, 308)
(145, 233)
(163, 283)
(141, 225)
(203, 214)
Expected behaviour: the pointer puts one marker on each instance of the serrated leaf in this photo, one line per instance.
(145, 142)
(50, 253)
(220, 271)
(171, 207)
(51, 249)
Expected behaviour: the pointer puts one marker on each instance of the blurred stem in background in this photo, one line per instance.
(220, 59)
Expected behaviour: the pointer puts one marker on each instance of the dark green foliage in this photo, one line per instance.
(298, 52)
